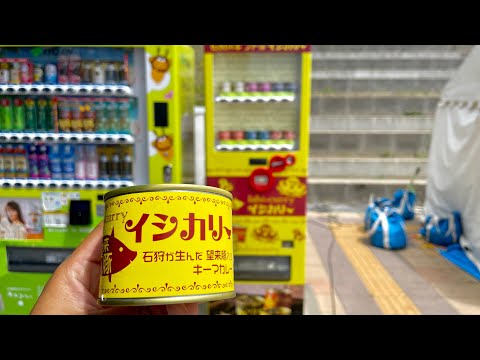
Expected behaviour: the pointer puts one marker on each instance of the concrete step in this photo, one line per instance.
(363, 104)
(365, 167)
(380, 81)
(329, 123)
(387, 60)
(340, 194)
(383, 74)
(385, 143)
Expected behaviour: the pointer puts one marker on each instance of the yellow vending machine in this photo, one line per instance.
(76, 122)
(257, 108)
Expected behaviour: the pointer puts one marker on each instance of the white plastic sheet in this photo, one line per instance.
(453, 174)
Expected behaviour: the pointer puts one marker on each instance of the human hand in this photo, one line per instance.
(73, 287)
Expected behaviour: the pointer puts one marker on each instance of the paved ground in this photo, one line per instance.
(347, 275)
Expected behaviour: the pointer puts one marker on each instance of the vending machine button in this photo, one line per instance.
(261, 179)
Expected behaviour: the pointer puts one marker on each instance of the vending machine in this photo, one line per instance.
(257, 108)
(76, 122)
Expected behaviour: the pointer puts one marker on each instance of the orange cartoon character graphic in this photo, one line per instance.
(164, 145)
(160, 66)
(115, 255)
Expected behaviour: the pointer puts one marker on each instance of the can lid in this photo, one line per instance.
(167, 187)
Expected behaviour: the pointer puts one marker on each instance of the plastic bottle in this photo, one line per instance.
(18, 115)
(100, 119)
(32, 161)
(9, 162)
(41, 115)
(52, 115)
(123, 125)
(80, 162)
(126, 166)
(103, 166)
(91, 165)
(21, 162)
(2, 165)
(111, 110)
(55, 163)
(98, 73)
(68, 162)
(88, 116)
(43, 165)
(114, 167)
(15, 73)
(6, 109)
(30, 115)
(64, 116)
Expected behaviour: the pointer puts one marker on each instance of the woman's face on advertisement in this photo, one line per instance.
(12, 214)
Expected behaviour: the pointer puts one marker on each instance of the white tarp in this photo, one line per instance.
(453, 176)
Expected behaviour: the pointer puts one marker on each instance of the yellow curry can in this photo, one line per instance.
(166, 244)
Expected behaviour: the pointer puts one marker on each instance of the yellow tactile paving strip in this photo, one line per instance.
(388, 295)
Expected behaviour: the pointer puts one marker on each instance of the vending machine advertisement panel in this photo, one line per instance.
(75, 123)
(257, 108)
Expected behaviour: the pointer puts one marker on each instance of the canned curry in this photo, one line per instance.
(166, 244)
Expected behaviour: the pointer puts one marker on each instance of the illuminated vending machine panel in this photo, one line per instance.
(76, 122)
(257, 130)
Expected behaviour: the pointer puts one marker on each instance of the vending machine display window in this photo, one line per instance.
(256, 98)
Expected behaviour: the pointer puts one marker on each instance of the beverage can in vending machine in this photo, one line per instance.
(50, 75)
(4, 73)
(38, 73)
(15, 73)
(25, 76)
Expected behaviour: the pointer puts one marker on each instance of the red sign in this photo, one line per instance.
(257, 48)
(287, 197)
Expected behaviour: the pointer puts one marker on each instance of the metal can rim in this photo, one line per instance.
(167, 187)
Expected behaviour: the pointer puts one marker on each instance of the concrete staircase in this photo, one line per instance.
(372, 113)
